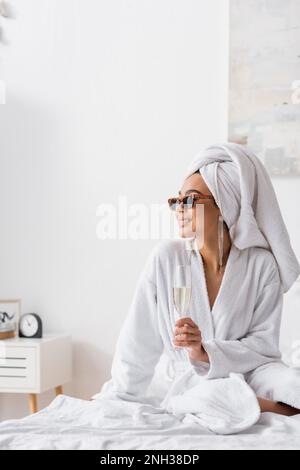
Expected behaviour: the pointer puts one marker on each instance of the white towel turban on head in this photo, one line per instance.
(244, 193)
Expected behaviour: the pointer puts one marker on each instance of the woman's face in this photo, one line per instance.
(193, 222)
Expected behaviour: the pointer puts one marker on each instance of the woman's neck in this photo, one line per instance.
(210, 252)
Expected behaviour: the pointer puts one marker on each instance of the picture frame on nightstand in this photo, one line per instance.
(10, 311)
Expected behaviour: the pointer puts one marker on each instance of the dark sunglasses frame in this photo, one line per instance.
(188, 201)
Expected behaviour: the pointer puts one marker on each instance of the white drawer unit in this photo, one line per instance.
(33, 366)
(18, 368)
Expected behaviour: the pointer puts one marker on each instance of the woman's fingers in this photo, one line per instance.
(182, 321)
(186, 333)
(187, 337)
(187, 329)
(186, 343)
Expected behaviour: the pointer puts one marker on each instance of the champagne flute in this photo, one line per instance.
(182, 289)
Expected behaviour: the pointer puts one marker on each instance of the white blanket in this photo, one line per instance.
(70, 423)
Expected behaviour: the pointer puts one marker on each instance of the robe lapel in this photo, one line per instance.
(209, 319)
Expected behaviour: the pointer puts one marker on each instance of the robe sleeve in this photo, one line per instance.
(258, 347)
(139, 344)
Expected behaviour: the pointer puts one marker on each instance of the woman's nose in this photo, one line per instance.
(180, 206)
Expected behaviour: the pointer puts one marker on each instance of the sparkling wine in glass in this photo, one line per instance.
(182, 290)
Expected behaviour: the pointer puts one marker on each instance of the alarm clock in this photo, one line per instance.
(30, 326)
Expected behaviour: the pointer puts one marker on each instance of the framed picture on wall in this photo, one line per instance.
(264, 95)
(9, 318)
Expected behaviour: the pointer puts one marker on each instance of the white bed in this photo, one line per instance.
(71, 423)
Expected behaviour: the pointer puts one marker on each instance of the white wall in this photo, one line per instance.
(104, 98)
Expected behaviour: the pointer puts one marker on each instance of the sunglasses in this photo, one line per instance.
(188, 201)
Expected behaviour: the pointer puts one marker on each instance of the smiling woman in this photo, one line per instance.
(195, 193)
(206, 226)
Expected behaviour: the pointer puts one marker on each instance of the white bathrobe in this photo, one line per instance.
(240, 335)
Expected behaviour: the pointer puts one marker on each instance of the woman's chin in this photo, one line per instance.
(185, 231)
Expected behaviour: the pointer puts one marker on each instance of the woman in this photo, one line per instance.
(227, 366)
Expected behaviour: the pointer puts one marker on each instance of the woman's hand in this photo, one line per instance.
(188, 335)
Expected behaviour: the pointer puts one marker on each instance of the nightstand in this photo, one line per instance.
(33, 366)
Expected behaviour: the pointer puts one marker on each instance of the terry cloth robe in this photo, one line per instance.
(240, 334)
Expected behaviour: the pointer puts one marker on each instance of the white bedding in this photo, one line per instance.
(71, 423)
